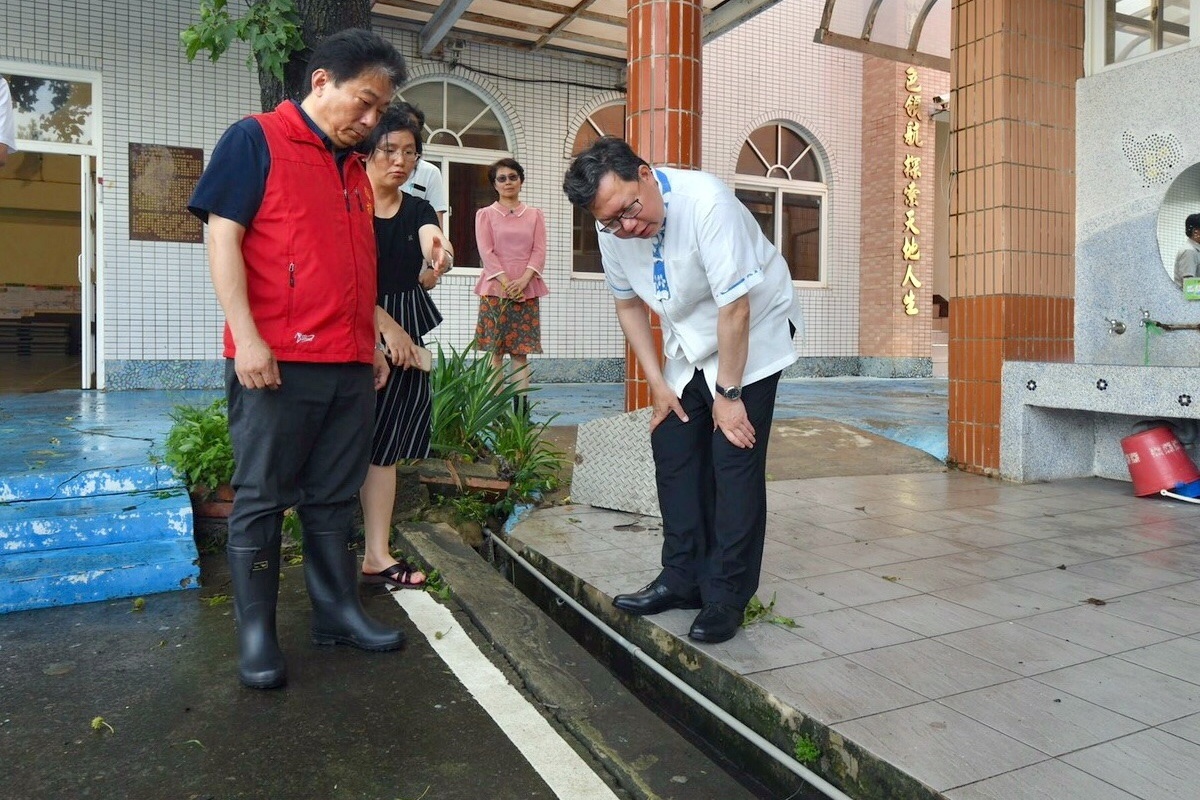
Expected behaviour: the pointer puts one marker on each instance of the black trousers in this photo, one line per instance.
(713, 496)
(305, 444)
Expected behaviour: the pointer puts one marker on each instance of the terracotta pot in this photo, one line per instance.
(215, 504)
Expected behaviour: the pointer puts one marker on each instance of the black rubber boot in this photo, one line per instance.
(331, 572)
(255, 575)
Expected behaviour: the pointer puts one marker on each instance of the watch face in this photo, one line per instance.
(732, 393)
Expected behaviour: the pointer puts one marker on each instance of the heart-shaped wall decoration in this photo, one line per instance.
(1155, 159)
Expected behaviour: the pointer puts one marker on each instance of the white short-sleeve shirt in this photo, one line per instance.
(426, 183)
(8, 119)
(714, 253)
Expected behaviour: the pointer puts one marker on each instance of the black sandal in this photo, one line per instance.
(397, 576)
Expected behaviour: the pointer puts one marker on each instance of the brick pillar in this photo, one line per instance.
(897, 213)
(663, 111)
(1012, 204)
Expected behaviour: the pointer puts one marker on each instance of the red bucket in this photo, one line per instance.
(1157, 461)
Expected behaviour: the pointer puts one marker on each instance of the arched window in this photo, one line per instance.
(464, 133)
(585, 247)
(779, 179)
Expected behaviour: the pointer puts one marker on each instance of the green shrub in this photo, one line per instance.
(198, 445)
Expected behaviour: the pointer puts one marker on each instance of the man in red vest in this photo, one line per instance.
(291, 249)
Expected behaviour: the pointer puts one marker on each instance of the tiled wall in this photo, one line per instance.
(892, 340)
(1015, 64)
(161, 326)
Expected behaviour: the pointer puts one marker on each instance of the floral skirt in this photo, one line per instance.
(507, 327)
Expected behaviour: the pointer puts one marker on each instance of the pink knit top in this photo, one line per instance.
(510, 241)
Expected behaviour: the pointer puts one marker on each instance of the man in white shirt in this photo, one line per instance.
(681, 243)
(1187, 260)
(426, 180)
(8, 123)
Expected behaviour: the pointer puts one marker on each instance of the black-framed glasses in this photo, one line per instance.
(394, 152)
(628, 212)
(506, 178)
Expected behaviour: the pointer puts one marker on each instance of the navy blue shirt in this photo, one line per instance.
(235, 179)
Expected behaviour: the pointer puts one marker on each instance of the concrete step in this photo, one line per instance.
(59, 524)
(89, 574)
(49, 480)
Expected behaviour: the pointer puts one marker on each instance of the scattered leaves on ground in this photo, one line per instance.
(757, 612)
(98, 724)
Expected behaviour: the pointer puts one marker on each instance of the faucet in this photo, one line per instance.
(1115, 326)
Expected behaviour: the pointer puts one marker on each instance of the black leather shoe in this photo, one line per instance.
(653, 598)
(716, 623)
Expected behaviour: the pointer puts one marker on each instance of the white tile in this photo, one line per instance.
(1048, 780)
(835, 689)
(1129, 689)
(1152, 765)
(1017, 648)
(932, 668)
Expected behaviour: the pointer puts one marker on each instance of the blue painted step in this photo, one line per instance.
(83, 549)
(98, 520)
(89, 574)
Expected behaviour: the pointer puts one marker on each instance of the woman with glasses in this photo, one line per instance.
(512, 250)
(406, 236)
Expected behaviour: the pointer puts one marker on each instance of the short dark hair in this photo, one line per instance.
(394, 119)
(1191, 224)
(511, 163)
(416, 114)
(606, 154)
(352, 52)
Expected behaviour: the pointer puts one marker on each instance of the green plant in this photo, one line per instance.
(805, 749)
(470, 399)
(525, 459)
(270, 27)
(198, 445)
(469, 506)
(757, 612)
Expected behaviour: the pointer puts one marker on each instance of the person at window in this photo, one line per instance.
(8, 123)
(1187, 260)
(512, 250)
(425, 181)
(291, 250)
(681, 243)
(406, 236)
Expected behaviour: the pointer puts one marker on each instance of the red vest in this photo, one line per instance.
(310, 250)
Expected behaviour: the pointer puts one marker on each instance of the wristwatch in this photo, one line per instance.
(732, 393)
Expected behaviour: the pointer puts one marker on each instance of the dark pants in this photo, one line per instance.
(713, 496)
(305, 444)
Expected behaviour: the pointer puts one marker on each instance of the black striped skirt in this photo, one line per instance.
(403, 408)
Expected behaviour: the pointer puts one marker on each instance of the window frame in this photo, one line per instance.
(780, 187)
(443, 155)
(1096, 31)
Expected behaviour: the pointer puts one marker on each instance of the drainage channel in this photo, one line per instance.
(764, 768)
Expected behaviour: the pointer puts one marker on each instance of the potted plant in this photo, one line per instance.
(198, 448)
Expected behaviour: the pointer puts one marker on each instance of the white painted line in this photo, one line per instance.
(567, 775)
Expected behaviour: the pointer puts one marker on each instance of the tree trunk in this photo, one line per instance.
(318, 19)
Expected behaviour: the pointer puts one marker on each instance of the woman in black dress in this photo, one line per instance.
(407, 236)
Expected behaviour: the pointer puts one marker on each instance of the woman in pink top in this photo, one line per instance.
(512, 248)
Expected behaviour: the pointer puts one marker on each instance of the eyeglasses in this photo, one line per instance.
(628, 212)
(506, 178)
(392, 153)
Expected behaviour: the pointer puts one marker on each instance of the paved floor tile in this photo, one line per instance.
(932, 668)
(861, 555)
(1002, 600)
(606, 562)
(1185, 559)
(788, 562)
(1042, 717)
(1186, 728)
(1158, 611)
(1052, 552)
(1067, 585)
(1048, 780)
(855, 588)
(1187, 592)
(939, 746)
(920, 521)
(990, 564)
(835, 689)
(763, 646)
(925, 575)
(1135, 691)
(980, 536)
(928, 615)
(921, 545)
(1018, 648)
(1090, 627)
(792, 600)
(623, 582)
(1152, 765)
(848, 630)
(802, 534)
(1128, 571)
(1179, 658)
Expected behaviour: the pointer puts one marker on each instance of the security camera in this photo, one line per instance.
(941, 99)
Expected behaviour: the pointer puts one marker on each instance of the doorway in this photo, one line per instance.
(48, 224)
